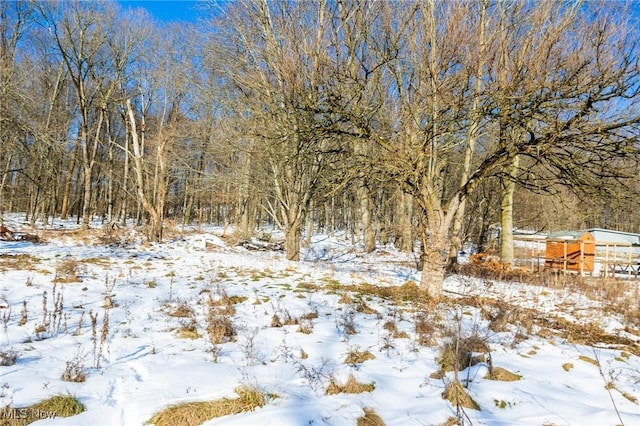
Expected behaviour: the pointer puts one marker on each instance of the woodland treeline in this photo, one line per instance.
(421, 123)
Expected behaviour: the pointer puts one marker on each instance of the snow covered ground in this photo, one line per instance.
(156, 299)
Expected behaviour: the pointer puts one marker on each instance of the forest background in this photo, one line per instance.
(425, 124)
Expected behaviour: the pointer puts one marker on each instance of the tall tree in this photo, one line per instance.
(276, 54)
(80, 33)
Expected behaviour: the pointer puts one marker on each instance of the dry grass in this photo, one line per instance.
(483, 265)
(584, 333)
(370, 418)
(351, 386)
(220, 328)
(392, 328)
(456, 352)
(628, 396)
(305, 327)
(74, 371)
(17, 262)
(189, 329)
(67, 272)
(358, 357)
(285, 318)
(502, 375)
(588, 360)
(196, 413)
(56, 406)
(426, 327)
(457, 395)
(221, 303)
(8, 357)
(501, 314)
(181, 310)
(407, 292)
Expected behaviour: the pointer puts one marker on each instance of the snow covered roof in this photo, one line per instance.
(612, 236)
(568, 235)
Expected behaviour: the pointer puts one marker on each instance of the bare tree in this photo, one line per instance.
(566, 101)
(276, 54)
(80, 33)
(15, 18)
(557, 102)
(161, 86)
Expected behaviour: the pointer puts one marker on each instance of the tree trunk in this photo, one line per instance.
(293, 234)
(125, 183)
(368, 233)
(110, 183)
(244, 202)
(507, 189)
(309, 225)
(405, 238)
(470, 148)
(155, 218)
(293, 214)
(88, 160)
(3, 183)
(66, 194)
(434, 261)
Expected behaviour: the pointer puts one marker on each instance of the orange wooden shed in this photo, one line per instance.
(571, 251)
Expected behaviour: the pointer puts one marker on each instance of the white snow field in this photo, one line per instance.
(294, 324)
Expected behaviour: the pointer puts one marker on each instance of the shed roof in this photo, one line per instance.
(610, 235)
(570, 235)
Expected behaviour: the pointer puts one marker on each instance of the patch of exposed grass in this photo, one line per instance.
(589, 360)
(351, 386)
(17, 261)
(551, 326)
(502, 404)
(102, 261)
(404, 293)
(221, 302)
(362, 307)
(305, 327)
(56, 406)
(457, 395)
(567, 366)
(456, 352)
(370, 418)
(345, 298)
(426, 327)
(358, 357)
(60, 405)
(67, 272)
(628, 396)
(196, 413)
(307, 286)
(74, 371)
(438, 375)
(189, 330)
(392, 328)
(181, 310)
(503, 375)
(234, 300)
(220, 328)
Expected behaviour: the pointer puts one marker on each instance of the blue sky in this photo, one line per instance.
(166, 10)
